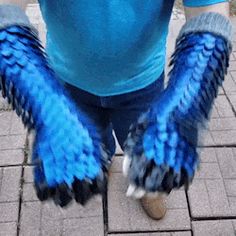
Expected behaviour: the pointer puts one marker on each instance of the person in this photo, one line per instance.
(110, 56)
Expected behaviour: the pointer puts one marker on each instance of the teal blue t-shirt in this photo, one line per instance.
(109, 47)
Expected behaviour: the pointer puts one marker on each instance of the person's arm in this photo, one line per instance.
(68, 157)
(161, 148)
(222, 8)
(21, 3)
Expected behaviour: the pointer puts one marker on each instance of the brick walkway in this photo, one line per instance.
(207, 209)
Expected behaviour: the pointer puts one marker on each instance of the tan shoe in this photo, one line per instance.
(154, 206)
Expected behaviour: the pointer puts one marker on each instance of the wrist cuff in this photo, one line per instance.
(209, 22)
(13, 15)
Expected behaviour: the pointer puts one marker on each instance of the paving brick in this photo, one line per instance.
(234, 151)
(232, 98)
(222, 107)
(47, 219)
(30, 141)
(199, 201)
(224, 137)
(212, 193)
(232, 204)
(233, 74)
(232, 66)
(28, 174)
(234, 56)
(30, 219)
(216, 228)
(17, 126)
(117, 164)
(143, 234)
(1, 176)
(227, 162)
(222, 124)
(8, 229)
(177, 200)
(234, 225)
(4, 105)
(187, 233)
(218, 198)
(208, 171)
(230, 187)
(214, 113)
(9, 212)
(207, 155)
(10, 184)
(11, 157)
(29, 193)
(207, 139)
(84, 226)
(131, 215)
(12, 142)
(51, 227)
(10, 124)
(229, 84)
(73, 214)
(208, 198)
(118, 182)
(5, 121)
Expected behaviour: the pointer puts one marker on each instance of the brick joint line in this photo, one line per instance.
(213, 218)
(189, 209)
(20, 201)
(105, 211)
(22, 185)
(230, 103)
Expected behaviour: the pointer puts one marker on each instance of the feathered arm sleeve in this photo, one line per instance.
(161, 147)
(67, 153)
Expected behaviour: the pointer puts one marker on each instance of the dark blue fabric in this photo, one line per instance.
(116, 112)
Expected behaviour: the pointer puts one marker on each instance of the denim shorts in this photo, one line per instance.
(116, 113)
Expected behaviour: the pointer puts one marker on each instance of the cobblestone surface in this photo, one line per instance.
(208, 208)
(130, 213)
(46, 219)
(212, 193)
